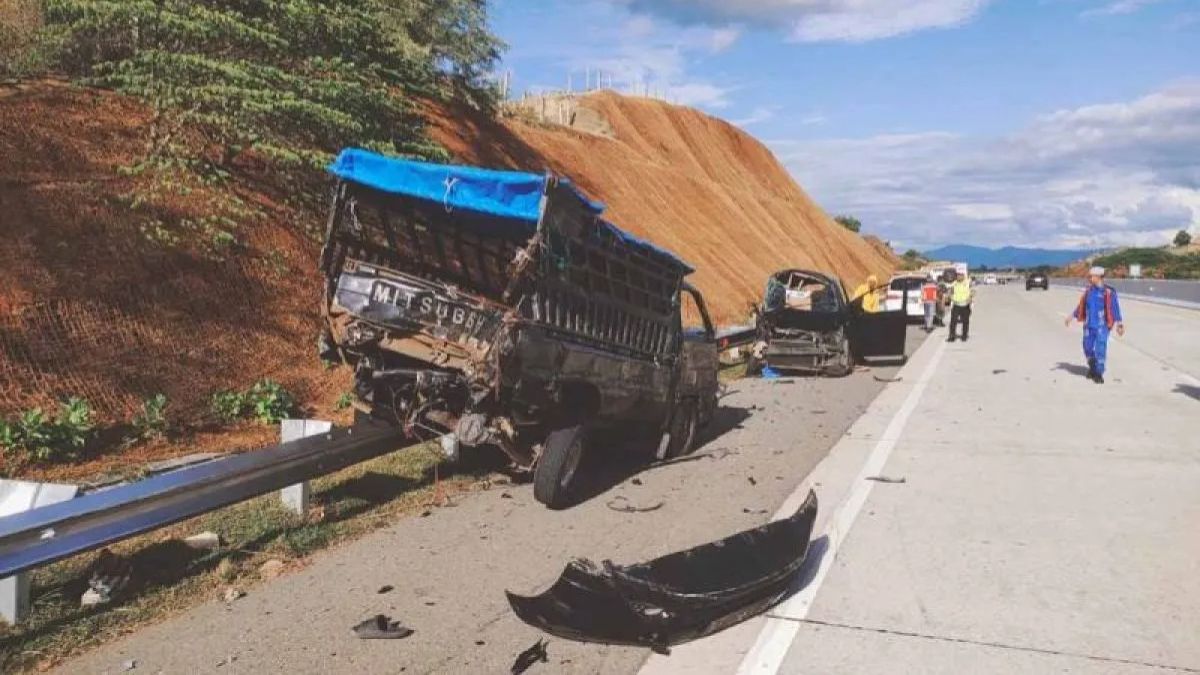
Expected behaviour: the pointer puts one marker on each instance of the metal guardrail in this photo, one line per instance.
(49, 533)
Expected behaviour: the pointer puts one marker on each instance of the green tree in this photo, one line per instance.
(1182, 238)
(849, 222)
(912, 254)
(293, 80)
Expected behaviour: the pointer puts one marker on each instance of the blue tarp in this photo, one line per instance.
(513, 195)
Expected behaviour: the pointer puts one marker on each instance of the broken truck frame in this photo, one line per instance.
(498, 308)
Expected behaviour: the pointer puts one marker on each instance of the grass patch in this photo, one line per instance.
(169, 577)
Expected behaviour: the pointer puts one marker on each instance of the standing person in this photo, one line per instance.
(929, 296)
(961, 297)
(1098, 310)
(866, 291)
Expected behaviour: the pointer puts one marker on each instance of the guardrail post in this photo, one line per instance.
(295, 497)
(17, 496)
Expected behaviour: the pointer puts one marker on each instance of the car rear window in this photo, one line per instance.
(911, 283)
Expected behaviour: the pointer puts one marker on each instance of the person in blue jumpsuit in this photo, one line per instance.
(1099, 311)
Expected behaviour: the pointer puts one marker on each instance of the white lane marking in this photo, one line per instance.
(780, 630)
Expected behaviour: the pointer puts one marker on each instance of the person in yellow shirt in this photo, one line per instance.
(866, 291)
(961, 296)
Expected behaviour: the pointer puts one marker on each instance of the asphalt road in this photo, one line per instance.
(1177, 290)
(1046, 523)
(450, 570)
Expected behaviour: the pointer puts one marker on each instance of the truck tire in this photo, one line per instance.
(684, 421)
(845, 363)
(558, 465)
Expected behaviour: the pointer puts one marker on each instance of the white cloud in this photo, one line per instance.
(697, 94)
(1184, 20)
(1119, 7)
(1116, 173)
(720, 39)
(820, 20)
(982, 211)
(759, 114)
(639, 26)
(813, 119)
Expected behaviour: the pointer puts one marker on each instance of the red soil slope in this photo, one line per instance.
(90, 307)
(687, 181)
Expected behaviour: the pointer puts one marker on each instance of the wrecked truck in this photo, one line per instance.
(807, 323)
(498, 308)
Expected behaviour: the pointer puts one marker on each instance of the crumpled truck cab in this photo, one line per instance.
(498, 308)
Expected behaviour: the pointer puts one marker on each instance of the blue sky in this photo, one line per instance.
(1026, 122)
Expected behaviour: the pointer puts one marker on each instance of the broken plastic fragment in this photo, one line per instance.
(381, 627)
(526, 659)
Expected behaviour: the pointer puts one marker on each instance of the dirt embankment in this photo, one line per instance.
(686, 181)
(91, 307)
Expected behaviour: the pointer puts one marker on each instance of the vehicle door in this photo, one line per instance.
(698, 363)
(879, 334)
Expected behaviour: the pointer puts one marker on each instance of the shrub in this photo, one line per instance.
(266, 401)
(151, 420)
(344, 401)
(269, 402)
(228, 405)
(41, 438)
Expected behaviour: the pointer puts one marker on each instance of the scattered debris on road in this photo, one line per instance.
(751, 480)
(107, 577)
(998, 371)
(204, 541)
(757, 511)
(231, 594)
(679, 597)
(526, 659)
(887, 479)
(621, 503)
(381, 627)
(129, 665)
(887, 379)
(385, 589)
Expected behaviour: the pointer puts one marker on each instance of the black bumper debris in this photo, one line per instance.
(678, 597)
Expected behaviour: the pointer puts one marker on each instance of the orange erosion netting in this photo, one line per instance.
(89, 307)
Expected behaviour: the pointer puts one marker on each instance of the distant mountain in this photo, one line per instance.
(1009, 256)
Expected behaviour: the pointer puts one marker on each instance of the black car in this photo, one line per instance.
(807, 323)
(1037, 280)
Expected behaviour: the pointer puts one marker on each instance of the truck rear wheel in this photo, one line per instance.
(684, 421)
(558, 465)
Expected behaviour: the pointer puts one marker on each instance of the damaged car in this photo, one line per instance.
(807, 323)
(499, 308)
(679, 597)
